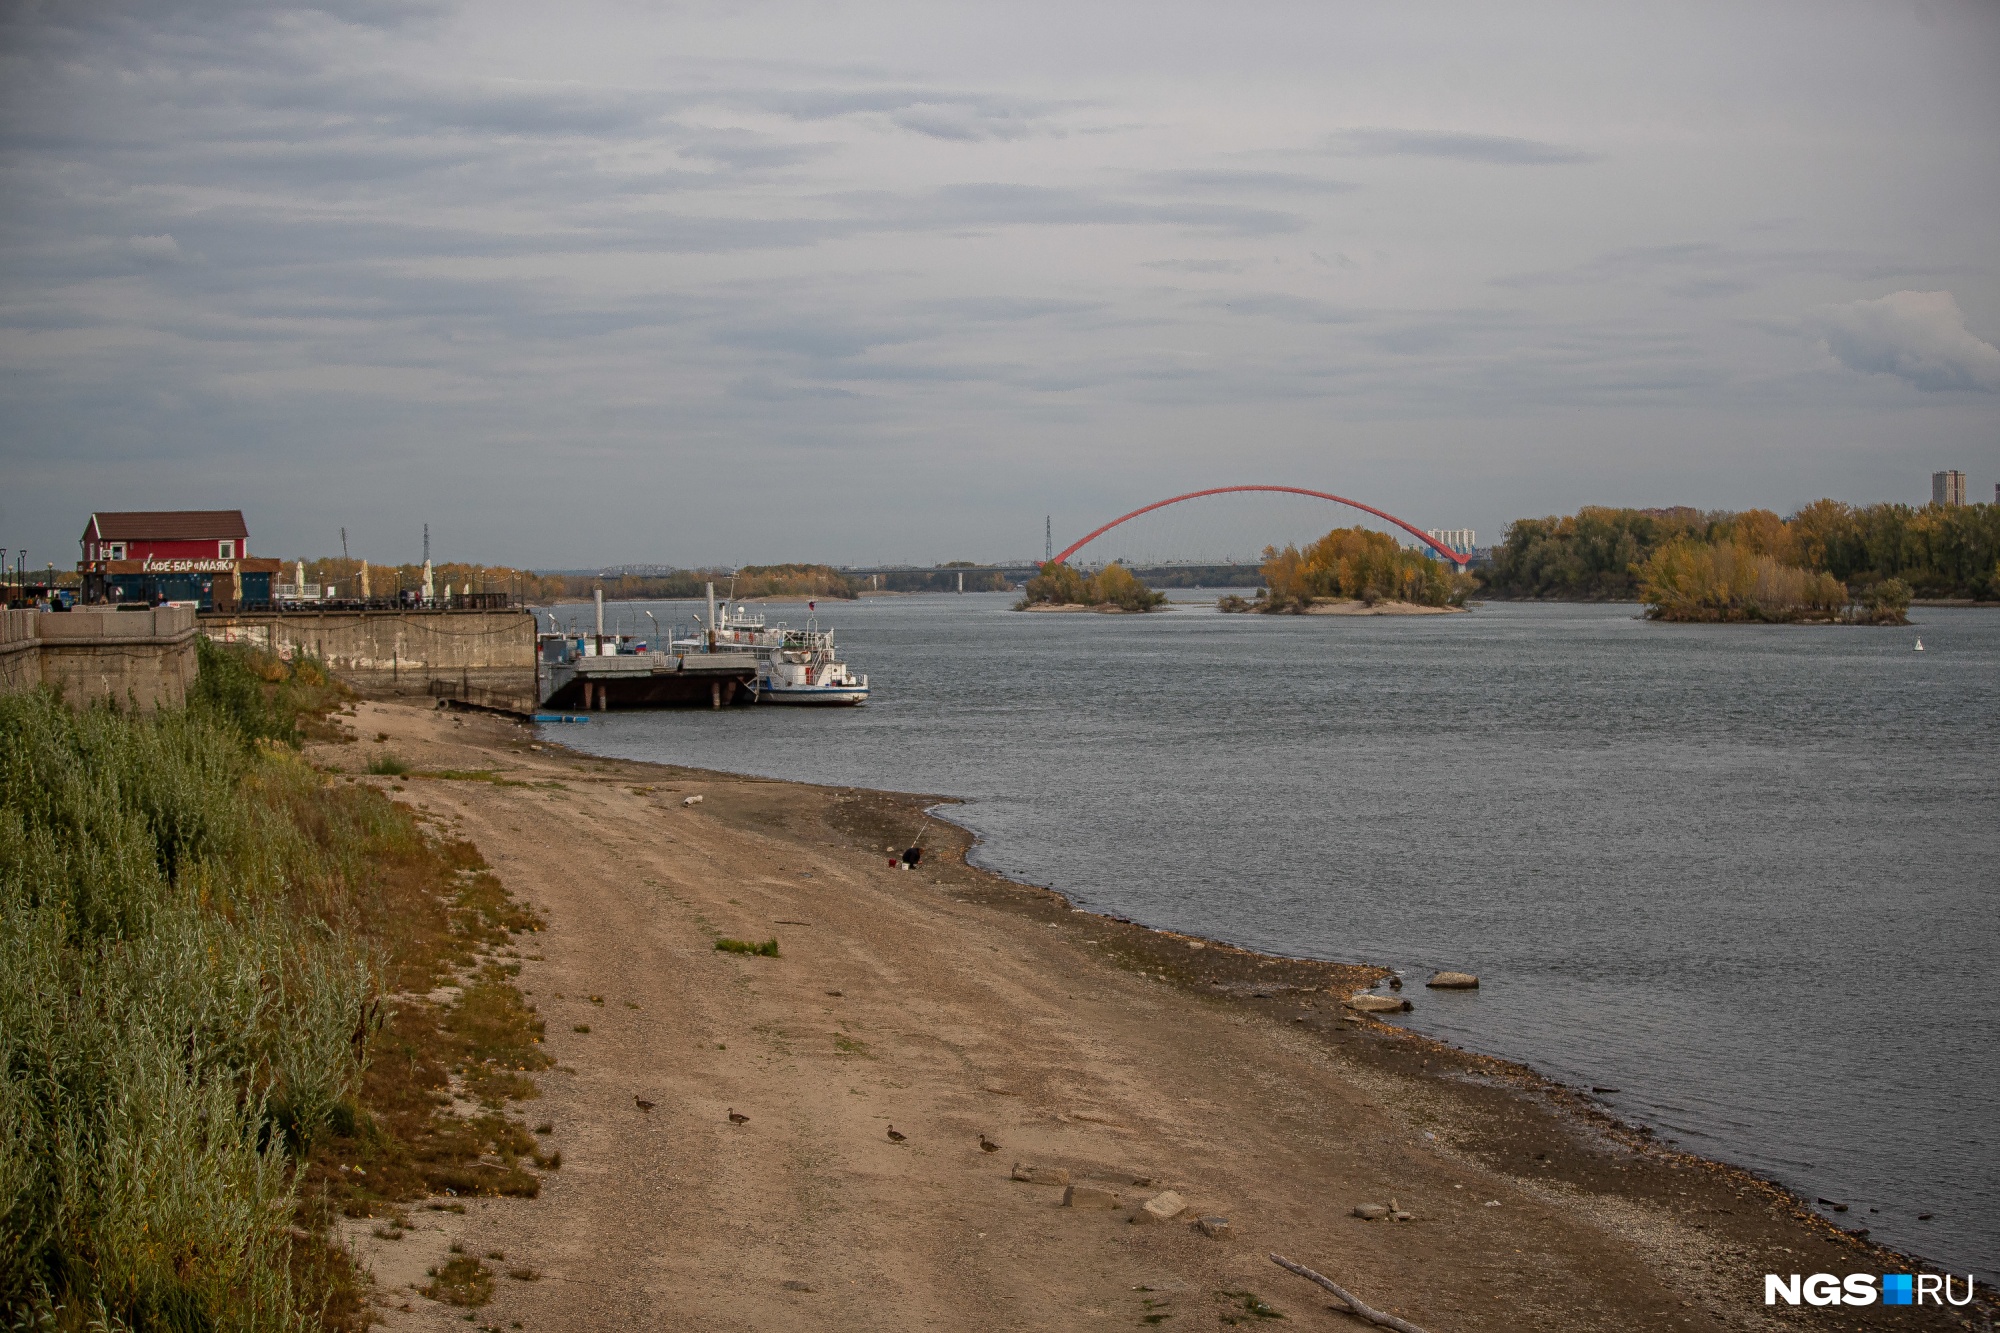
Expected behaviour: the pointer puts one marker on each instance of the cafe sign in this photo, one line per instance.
(155, 566)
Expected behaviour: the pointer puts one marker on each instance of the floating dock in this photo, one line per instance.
(595, 682)
(599, 671)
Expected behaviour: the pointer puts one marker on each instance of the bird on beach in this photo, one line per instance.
(644, 1105)
(987, 1145)
(895, 1136)
(736, 1117)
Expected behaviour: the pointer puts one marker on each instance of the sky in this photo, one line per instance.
(600, 283)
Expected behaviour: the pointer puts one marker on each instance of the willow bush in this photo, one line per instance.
(1357, 564)
(1113, 586)
(1731, 580)
(181, 1009)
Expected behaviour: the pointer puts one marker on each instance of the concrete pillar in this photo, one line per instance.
(715, 694)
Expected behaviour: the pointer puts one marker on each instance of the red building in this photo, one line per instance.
(196, 555)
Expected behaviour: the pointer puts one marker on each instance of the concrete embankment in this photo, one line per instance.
(483, 657)
(139, 659)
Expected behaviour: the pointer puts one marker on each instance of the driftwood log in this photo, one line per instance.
(1354, 1303)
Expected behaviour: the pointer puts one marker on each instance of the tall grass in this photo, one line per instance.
(182, 1009)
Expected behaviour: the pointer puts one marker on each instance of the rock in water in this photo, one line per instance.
(1453, 981)
(1377, 1004)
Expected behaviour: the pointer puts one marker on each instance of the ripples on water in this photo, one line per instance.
(1745, 874)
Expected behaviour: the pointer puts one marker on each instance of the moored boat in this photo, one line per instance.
(794, 666)
(809, 675)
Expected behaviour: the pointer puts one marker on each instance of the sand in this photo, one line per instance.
(950, 1004)
(1323, 606)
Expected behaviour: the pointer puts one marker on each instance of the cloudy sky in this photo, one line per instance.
(591, 283)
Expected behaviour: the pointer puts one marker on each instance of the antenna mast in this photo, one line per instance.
(1048, 538)
(343, 544)
(427, 543)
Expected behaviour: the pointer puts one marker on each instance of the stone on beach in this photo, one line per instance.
(1041, 1175)
(1215, 1228)
(1371, 1212)
(1453, 981)
(1088, 1196)
(1377, 1004)
(1162, 1207)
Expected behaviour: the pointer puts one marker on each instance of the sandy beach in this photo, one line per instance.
(1354, 606)
(953, 1004)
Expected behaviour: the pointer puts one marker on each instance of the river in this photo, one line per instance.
(1743, 874)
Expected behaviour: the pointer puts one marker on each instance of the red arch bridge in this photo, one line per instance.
(1458, 558)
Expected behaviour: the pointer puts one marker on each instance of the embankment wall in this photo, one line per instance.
(487, 656)
(135, 659)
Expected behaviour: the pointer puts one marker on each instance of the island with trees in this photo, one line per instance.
(1113, 588)
(1354, 571)
(1686, 563)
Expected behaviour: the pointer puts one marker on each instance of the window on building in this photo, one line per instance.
(226, 550)
(117, 550)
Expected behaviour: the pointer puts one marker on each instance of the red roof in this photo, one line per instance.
(168, 525)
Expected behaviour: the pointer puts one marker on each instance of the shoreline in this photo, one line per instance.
(1577, 1104)
(1657, 1233)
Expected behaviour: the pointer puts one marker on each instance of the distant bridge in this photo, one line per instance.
(1456, 557)
(1189, 574)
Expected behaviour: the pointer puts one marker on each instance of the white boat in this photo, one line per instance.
(794, 666)
(1920, 645)
(809, 675)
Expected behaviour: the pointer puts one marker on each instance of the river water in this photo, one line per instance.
(1746, 875)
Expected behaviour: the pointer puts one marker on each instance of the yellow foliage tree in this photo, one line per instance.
(1112, 586)
(1358, 564)
(1732, 580)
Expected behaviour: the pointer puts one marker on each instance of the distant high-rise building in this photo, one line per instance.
(1458, 539)
(1948, 488)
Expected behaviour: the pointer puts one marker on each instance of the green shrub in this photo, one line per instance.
(461, 1280)
(176, 1021)
(257, 694)
(768, 949)
(387, 765)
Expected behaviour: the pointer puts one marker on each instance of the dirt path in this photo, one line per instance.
(952, 1005)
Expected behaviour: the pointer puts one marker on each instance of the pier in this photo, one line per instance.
(595, 683)
(595, 671)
